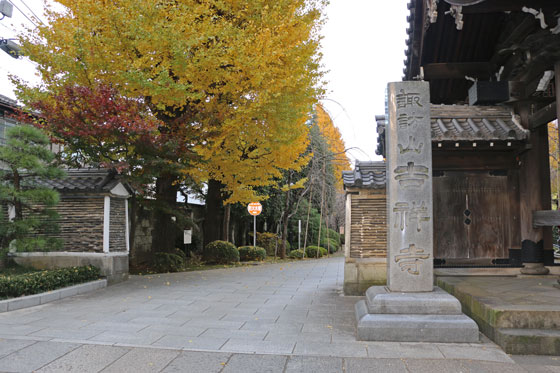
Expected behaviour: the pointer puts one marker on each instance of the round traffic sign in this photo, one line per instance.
(254, 208)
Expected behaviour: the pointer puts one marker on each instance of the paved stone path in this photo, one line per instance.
(287, 317)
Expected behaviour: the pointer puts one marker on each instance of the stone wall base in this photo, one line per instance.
(113, 266)
(360, 274)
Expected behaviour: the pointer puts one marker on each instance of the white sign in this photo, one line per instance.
(187, 236)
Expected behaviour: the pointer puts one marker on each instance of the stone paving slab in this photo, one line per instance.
(85, 359)
(35, 356)
(57, 357)
(138, 325)
(140, 360)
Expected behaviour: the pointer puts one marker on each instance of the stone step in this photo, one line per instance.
(381, 301)
(492, 313)
(529, 341)
(414, 327)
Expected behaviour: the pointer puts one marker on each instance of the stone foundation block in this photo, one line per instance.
(381, 300)
(113, 266)
(414, 327)
(360, 274)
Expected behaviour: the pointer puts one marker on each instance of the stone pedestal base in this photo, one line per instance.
(534, 269)
(413, 317)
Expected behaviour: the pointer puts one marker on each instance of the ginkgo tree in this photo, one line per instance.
(209, 89)
(335, 142)
(315, 185)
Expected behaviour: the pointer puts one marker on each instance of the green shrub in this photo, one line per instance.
(322, 251)
(267, 241)
(181, 253)
(334, 235)
(331, 243)
(39, 282)
(296, 254)
(311, 251)
(248, 253)
(168, 262)
(221, 252)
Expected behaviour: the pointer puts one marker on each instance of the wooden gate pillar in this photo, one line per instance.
(534, 188)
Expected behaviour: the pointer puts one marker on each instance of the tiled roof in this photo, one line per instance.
(83, 180)
(366, 175)
(466, 123)
(6, 101)
(482, 123)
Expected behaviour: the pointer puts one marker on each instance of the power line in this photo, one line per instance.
(7, 28)
(32, 12)
(25, 15)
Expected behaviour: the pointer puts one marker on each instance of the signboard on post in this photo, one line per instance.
(254, 208)
(187, 236)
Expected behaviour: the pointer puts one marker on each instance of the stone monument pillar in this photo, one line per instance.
(409, 188)
(410, 308)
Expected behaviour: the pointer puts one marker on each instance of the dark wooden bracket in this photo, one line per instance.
(543, 116)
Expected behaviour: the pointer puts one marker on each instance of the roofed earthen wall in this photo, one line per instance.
(117, 227)
(81, 223)
(368, 236)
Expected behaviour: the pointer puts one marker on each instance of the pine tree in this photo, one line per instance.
(28, 217)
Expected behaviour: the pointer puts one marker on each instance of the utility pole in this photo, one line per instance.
(8, 45)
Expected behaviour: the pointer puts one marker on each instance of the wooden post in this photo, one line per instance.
(534, 188)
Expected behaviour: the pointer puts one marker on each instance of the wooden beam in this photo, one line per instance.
(480, 160)
(497, 6)
(447, 70)
(546, 218)
(543, 116)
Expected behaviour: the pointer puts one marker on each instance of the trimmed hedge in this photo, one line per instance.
(311, 251)
(248, 253)
(221, 252)
(296, 254)
(39, 282)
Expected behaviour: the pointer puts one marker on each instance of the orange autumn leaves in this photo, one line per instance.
(334, 139)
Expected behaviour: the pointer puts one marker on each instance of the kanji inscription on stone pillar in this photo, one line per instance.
(409, 187)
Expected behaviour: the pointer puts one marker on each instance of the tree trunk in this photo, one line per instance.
(165, 230)
(225, 225)
(17, 202)
(244, 233)
(132, 215)
(213, 219)
(284, 236)
(307, 220)
(285, 218)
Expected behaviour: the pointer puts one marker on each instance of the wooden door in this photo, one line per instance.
(476, 214)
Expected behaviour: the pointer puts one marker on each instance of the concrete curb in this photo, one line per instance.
(50, 296)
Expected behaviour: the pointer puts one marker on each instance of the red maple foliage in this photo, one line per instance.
(98, 123)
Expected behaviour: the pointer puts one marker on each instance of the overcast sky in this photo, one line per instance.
(363, 48)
